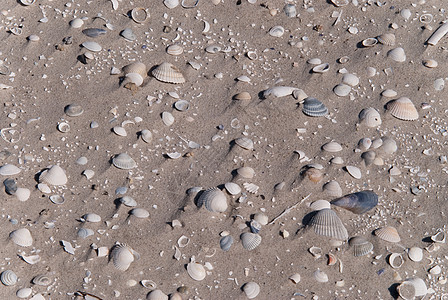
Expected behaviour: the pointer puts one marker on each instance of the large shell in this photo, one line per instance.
(357, 203)
(411, 288)
(332, 188)
(124, 161)
(355, 172)
(136, 67)
(397, 54)
(156, 295)
(8, 277)
(387, 39)
(146, 135)
(9, 170)
(55, 175)
(214, 200)
(251, 289)
(250, 240)
(360, 245)
(246, 172)
(21, 237)
(226, 242)
(196, 271)
(232, 188)
(245, 143)
(325, 222)
(314, 108)
(403, 109)
(332, 147)
(122, 256)
(166, 72)
(388, 233)
(370, 116)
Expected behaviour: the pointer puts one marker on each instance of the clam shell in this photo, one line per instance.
(55, 175)
(370, 72)
(313, 174)
(332, 147)
(21, 237)
(182, 105)
(340, 3)
(430, 63)
(57, 199)
(252, 55)
(167, 118)
(134, 78)
(166, 72)
(397, 54)
(10, 186)
(122, 256)
(387, 39)
(243, 96)
(245, 143)
(24, 293)
(342, 90)
(350, 79)
(226, 242)
(92, 46)
(389, 93)
(314, 108)
(42, 280)
(279, 91)
(118, 130)
(183, 241)
(388, 234)
(232, 188)
(388, 146)
(128, 34)
(395, 260)
(94, 32)
(403, 109)
(213, 49)
(91, 217)
(358, 203)
(73, 110)
(85, 232)
(140, 213)
(325, 222)
(418, 286)
(148, 284)
(320, 276)
(251, 289)
(261, 218)
(415, 254)
(8, 277)
(9, 170)
(33, 38)
(124, 161)
(136, 67)
(360, 245)
(175, 49)
(32, 259)
(369, 42)
(250, 240)
(146, 135)
(332, 188)
(156, 295)
(76, 23)
(139, 14)
(364, 144)
(27, 2)
(314, 61)
(337, 160)
(128, 201)
(276, 31)
(214, 200)
(322, 68)
(196, 271)
(355, 172)
(254, 226)
(63, 127)
(320, 204)
(171, 3)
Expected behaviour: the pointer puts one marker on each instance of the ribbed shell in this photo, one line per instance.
(122, 256)
(166, 72)
(232, 188)
(226, 242)
(403, 109)
(397, 54)
(314, 108)
(245, 143)
(387, 39)
(124, 161)
(175, 49)
(250, 240)
(8, 278)
(21, 237)
(261, 218)
(325, 222)
(332, 147)
(55, 175)
(360, 245)
(136, 67)
(370, 116)
(156, 295)
(214, 200)
(42, 280)
(332, 188)
(196, 271)
(320, 204)
(251, 289)
(246, 172)
(388, 233)
(357, 203)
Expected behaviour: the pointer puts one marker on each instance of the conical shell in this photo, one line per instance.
(325, 222)
(196, 271)
(21, 237)
(360, 245)
(370, 116)
(214, 200)
(320, 204)
(332, 188)
(55, 175)
(332, 147)
(357, 203)
(403, 109)
(250, 240)
(122, 256)
(166, 72)
(387, 39)
(251, 289)
(397, 54)
(136, 67)
(9, 170)
(314, 108)
(124, 161)
(388, 233)
(8, 278)
(245, 143)
(246, 172)
(226, 242)
(156, 295)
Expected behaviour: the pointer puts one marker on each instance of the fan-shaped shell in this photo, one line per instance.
(370, 116)
(355, 172)
(175, 49)
(325, 222)
(136, 67)
(226, 242)
(122, 256)
(146, 135)
(171, 3)
(21, 237)
(320, 276)
(124, 161)
(350, 79)
(332, 147)
(214, 200)
(397, 54)
(342, 90)
(55, 175)
(246, 172)
(360, 245)
(387, 39)
(9, 170)
(8, 277)
(411, 288)
(403, 109)
(232, 188)
(166, 72)
(314, 108)
(261, 218)
(245, 143)
(250, 240)
(415, 254)
(156, 295)
(41, 279)
(24, 293)
(388, 233)
(332, 188)
(277, 31)
(251, 289)
(140, 213)
(357, 203)
(320, 204)
(196, 271)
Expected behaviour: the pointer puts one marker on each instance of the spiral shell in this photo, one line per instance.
(251, 289)
(21, 237)
(8, 277)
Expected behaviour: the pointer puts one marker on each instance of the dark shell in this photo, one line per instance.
(94, 32)
(226, 242)
(314, 108)
(10, 186)
(357, 203)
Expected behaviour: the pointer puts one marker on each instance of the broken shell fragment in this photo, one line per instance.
(403, 109)
(295, 278)
(251, 289)
(395, 260)
(276, 31)
(357, 203)
(320, 204)
(196, 271)
(439, 237)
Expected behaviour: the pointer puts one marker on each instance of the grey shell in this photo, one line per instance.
(325, 222)
(314, 108)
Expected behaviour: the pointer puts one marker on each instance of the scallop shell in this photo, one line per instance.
(369, 42)
(357, 203)
(175, 49)
(243, 96)
(397, 54)
(245, 143)
(332, 188)
(55, 175)
(122, 256)
(92, 46)
(156, 295)
(171, 3)
(360, 245)
(73, 110)
(140, 213)
(139, 14)
(24, 293)
(232, 188)
(8, 278)
(342, 90)
(332, 147)
(226, 242)
(196, 271)
(276, 31)
(314, 108)
(9, 170)
(403, 109)
(320, 276)
(250, 240)
(350, 79)
(355, 172)
(395, 260)
(136, 67)
(167, 118)
(322, 68)
(146, 135)
(124, 161)
(415, 254)
(251, 289)
(389, 93)
(261, 218)
(387, 39)
(21, 237)
(214, 200)
(430, 63)
(320, 204)
(42, 280)
(325, 222)
(388, 234)
(166, 72)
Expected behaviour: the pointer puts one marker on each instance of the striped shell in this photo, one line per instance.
(42, 280)
(261, 218)
(332, 188)
(156, 295)
(387, 39)
(124, 161)
(136, 67)
(8, 277)
(314, 108)
(246, 172)
(360, 245)
(250, 240)
(388, 233)
(8, 170)
(403, 109)
(122, 256)
(226, 242)
(332, 147)
(55, 175)
(175, 49)
(196, 271)
(251, 289)
(214, 200)
(397, 54)
(325, 222)
(232, 188)
(320, 204)
(370, 116)
(245, 143)
(21, 237)
(166, 72)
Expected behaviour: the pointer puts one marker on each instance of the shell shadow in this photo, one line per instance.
(393, 290)
(307, 218)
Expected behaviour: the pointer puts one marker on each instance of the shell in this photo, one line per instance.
(245, 143)
(314, 61)
(369, 42)
(370, 72)
(42, 280)
(175, 49)
(139, 14)
(182, 105)
(325, 222)
(9, 170)
(183, 241)
(360, 245)
(214, 200)
(167, 118)
(176, 296)
(332, 188)
(63, 127)
(342, 90)
(279, 91)
(355, 172)
(337, 160)
(439, 237)
(232, 188)
(295, 278)
(395, 260)
(10, 186)
(388, 146)
(320, 276)
(252, 55)
(213, 49)
(369, 157)
(31, 259)
(314, 108)
(397, 54)
(122, 256)
(149, 284)
(388, 234)
(250, 240)
(320, 204)
(403, 109)
(430, 63)
(419, 286)
(171, 3)
(243, 96)
(136, 67)
(290, 10)
(76, 23)
(8, 278)
(322, 68)
(389, 93)
(85, 232)
(134, 78)
(128, 201)
(92, 46)
(196, 271)
(124, 161)
(438, 34)
(332, 147)
(55, 175)
(140, 213)
(166, 72)
(120, 131)
(94, 32)
(364, 144)
(156, 295)
(251, 188)
(261, 218)
(415, 254)
(128, 34)
(387, 39)
(21, 237)
(146, 135)
(276, 31)
(251, 289)
(255, 227)
(226, 242)
(27, 2)
(57, 199)
(73, 110)
(357, 203)
(340, 3)
(343, 59)
(33, 38)
(24, 293)
(350, 79)
(313, 174)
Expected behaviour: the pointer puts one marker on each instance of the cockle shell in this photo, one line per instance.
(156, 295)
(320, 276)
(325, 222)
(245, 143)
(214, 200)
(42, 280)
(55, 175)
(388, 233)
(387, 39)
(9, 170)
(397, 54)
(226, 242)
(232, 188)
(314, 108)
(360, 245)
(175, 49)
(279, 91)
(21, 237)
(357, 203)
(370, 116)
(8, 277)
(415, 254)
(403, 109)
(276, 31)
(166, 72)
(332, 188)
(332, 147)
(196, 271)
(122, 256)
(355, 172)
(251, 289)
(342, 90)
(124, 161)
(136, 67)
(261, 218)
(250, 240)
(320, 204)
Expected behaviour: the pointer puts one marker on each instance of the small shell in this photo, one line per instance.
(27, 2)
(332, 147)
(279, 91)
(8, 278)
(342, 90)
(369, 42)
(388, 146)
(397, 54)
(140, 213)
(403, 109)
(91, 217)
(254, 226)
(243, 96)
(182, 105)
(315, 251)
(32, 259)
(388, 93)
(261, 218)
(232, 188)
(405, 13)
(183, 241)
(124, 161)
(128, 201)
(439, 237)
(364, 144)
(430, 63)
(314, 108)
(290, 10)
(343, 59)
(340, 3)
(76, 23)
(85, 233)
(332, 188)
(9, 170)
(55, 175)
(395, 260)
(313, 174)
(322, 68)
(213, 49)
(325, 222)
(10, 186)
(415, 254)
(167, 118)
(360, 245)
(350, 79)
(250, 240)
(320, 276)
(226, 242)
(128, 34)
(57, 199)
(94, 32)
(196, 271)
(146, 135)
(320, 204)
(73, 110)
(156, 295)
(295, 278)
(21, 237)
(252, 55)
(24, 293)
(92, 46)
(166, 72)
(33, 38)
(314, 61)
(251, 188)
(354, 172)
(246, 172)
(139, 14)
(42, 280)
(175, 49)
(337, 160)
(120, 131)
(276, 31)
(149, 284)
(171, 3)
(245, 143)
(214, 200)
(388, 233)
(369, 157)
(122, 256)
(387, 39)
(370, 72)
(332, 259)
(63, 127)
(251, 289)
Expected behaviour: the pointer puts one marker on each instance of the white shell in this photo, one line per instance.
(251, 289)
(250, 240)
(397, 54)
(140, 213)
(277, 31)
(136, 67)
(342, 90)
(118, 130)
(415, 254)
(350, 79)
(183, 241)
(196, 271)
(320, 276)
(332, 188)
(439, 237)
(122, 256)
(124, 161)
(340, 3)
(251, 188)
(395, 260)
(314, 61)
(214, 200)
(22, 194)
(24, 293)
(55, 175)
(33, 38)
(42, 280)
(171, 3)
(245, 143)
(31, 259)
(8, 170)
(320, 204)
(134, 78)
(388, 233)
(85, 232)
(139, 14)
(76, 23)
(128, 201)
(146, 135)
(246, 172)
(370, 116)
(279, 91)
(21, 237)
(156, 295)
(387, 39)
(88, 173)
(167, 118)
(166, 72)
(332, 147)
(92, 46)
(411, 288)
(364, 144)
(389, 93)
(232, 188)
(8, 278)
(337, 160)
(438, 34)
(354, 172)
(370, 72)
(175, 49)
(91, 217)
(369, 42)
(295, 278)
(325, 222)
(261, 218)
(405, 13)
(322, 68)
(182, 105)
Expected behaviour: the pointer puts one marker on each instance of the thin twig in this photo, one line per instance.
(288, 210)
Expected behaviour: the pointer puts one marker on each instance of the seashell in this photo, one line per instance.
(27, 2)
(370, 72)
(24, 293)
(276, 31)
(255, 227)
(439, 84)
(41, 279)
(430, 63)
(139, 14)
(57, 199)
(397, 54)
(156, 295)
(122, 256)
(91, 217)
(387, 39)
(315, 251)
(118, 130)
(438, 34)
(340, 3)
(167, 118)
(369, 157)
(245, 143)
(246, 172)
(325, 222)
(436, 270)
(176, 296)
(213, 49)
(364, 144)
(140, 213)
(128, 201)
(290, 10)
(136, 67)
(332, 188)
(94, 32)
(243, 96)
(250, 240)
(166, 72)
(33, 38)
(406, 13)
(196, 271)
(85, 233)
(252, 55)
(322, 68)
(148, 284)
(171, 3)
(226, 242)
(175, 49)
(43, 188)
(439, 237)
(8, 278)
(261, 218)
(73, 110)
(295, 278)
(389, 93)
(251, 188)
(388, 234)
(63, 127)
(232, 188)
(214, 200)
(395, 260)
(332, 259)
(343, 59)
(299, 94)
(92, 46)
(332, 147)
(376, 143)
(76, 23)
(320, 204)
(21, 237)
(124, 161)
(182, 105)
(369, 42)
(279, 186)
(394, 171)
(350, 79)
(320, 276)
(360, 245)
(342, 90)
(183, 241)
(415, 254)
(337, 160)
(313, 174)
(128, 34)
(279, 91)
(314, 61)
(243, 78)
(10, 186)
(251, 289)
(55, 175)
(9, 170)
(403, 109)
(174, 155)
(355, 172)
(357, 203)
(314, 108)
(32, 259)
(389, 146)
(146, 135)
(409, 288)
